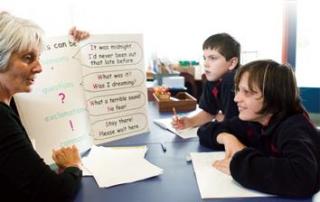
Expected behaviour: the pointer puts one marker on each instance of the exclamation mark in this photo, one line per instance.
(71, 125)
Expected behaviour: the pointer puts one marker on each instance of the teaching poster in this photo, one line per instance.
(87, 93)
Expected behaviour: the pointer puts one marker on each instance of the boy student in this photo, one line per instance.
(271, 146)
(221, 54)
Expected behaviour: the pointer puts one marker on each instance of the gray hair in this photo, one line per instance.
(17, 34)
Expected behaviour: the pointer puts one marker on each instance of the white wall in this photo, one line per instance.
(308, 43)
(173, 29)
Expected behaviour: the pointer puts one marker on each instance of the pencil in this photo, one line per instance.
(174, 112)
(175, 116)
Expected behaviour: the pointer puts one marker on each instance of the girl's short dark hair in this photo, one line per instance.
(278, 85)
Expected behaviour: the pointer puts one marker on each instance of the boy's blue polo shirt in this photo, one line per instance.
(219, 95)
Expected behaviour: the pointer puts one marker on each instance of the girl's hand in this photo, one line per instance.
(223, 165)
(231, 145)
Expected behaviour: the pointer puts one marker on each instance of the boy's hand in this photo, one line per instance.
(179, 123)
(219, 116)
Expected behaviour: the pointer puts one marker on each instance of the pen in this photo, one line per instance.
(164, 149)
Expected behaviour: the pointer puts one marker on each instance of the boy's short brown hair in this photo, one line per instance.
(225, 44)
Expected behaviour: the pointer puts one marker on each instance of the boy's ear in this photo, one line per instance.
(233, 63)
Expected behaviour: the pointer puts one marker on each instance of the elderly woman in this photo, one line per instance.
(24, 175)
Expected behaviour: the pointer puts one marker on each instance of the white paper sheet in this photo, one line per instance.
(113, 166)
(185, 133)
(138, 152)
(213, 183)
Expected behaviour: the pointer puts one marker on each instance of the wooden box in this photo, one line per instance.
(182, 102)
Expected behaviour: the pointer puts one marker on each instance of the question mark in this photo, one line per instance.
(62, 95)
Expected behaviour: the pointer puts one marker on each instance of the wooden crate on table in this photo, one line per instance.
(182, 102)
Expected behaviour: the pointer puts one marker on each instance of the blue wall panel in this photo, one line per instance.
(311, 99)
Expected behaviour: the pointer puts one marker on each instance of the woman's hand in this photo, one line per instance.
(67, 157)
(78, 35)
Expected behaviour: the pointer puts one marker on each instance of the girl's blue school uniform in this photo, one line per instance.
(282, 158)
(219, 95)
